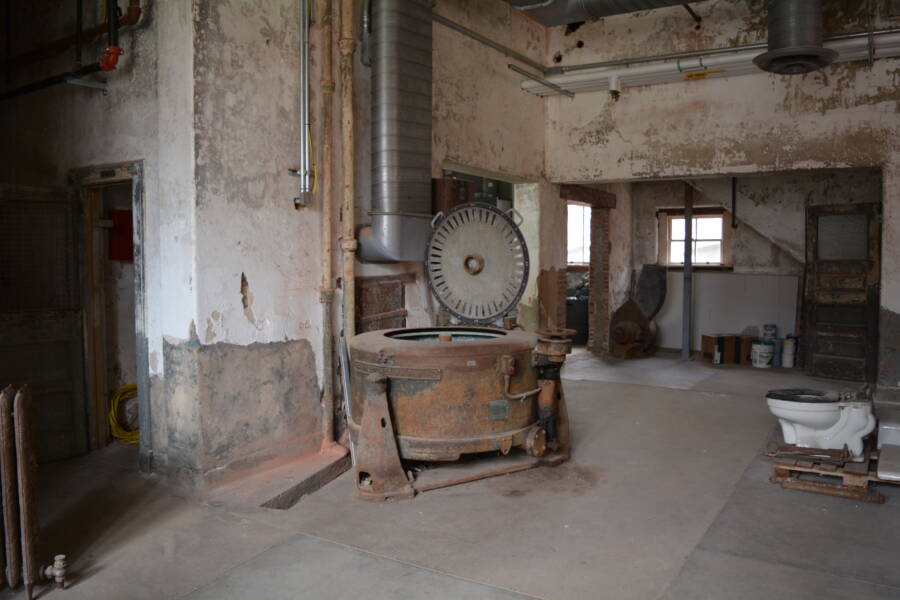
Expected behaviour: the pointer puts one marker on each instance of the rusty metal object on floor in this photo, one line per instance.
(633, 335)
(441, 394)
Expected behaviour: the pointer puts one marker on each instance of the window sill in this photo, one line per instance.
(578, 268)
(701, 268)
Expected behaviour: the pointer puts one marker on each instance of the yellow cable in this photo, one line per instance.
(126, 392)
(312, 157)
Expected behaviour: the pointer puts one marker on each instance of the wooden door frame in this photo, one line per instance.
(88, 183)
(873, 279)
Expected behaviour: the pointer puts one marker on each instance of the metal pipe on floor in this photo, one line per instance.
(347, 45)
(326, 292)
(688, 290)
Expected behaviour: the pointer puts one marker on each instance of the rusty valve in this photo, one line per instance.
(508, 365)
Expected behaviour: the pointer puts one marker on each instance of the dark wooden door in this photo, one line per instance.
(843, 256)
(41, 330)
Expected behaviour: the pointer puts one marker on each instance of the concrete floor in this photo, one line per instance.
(667, 497)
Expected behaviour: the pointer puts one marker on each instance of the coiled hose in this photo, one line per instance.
(126, 392)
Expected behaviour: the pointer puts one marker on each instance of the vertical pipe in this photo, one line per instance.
(347, 46)
(79, 18)
(304, 171)
(112, 22)
(326, 295)
(688, 273)
(26, 465)
(9, 490)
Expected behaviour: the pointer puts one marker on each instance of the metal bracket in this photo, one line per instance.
(516, 217)
(88, 83)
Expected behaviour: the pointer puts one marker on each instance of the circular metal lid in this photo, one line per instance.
(477, 263)
(795, 60)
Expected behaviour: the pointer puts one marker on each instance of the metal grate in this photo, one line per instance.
(37, 256)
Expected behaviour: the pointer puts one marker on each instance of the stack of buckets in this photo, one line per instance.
(772, 351)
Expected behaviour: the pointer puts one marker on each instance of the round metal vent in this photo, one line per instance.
(795, 38)
(477, 263)
(795, 61)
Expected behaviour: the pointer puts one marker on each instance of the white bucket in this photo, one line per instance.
(788, 352)
(761, 354)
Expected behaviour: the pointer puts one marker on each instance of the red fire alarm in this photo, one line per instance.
(121, 236)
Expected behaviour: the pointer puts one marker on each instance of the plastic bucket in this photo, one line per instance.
(761, 354)
(789, 353)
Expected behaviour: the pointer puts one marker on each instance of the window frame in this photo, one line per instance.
(579, 265)
(665, 216)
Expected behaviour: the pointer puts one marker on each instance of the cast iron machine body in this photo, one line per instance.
(447, 396)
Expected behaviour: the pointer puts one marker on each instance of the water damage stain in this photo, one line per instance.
(570, 479)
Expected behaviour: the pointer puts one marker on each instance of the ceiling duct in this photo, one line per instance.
(562, 12)
(795, 38)
(401, 132)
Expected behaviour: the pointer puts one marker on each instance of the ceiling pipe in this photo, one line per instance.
(851, 47)
(130, 17)
(795, 38)
(551, 13)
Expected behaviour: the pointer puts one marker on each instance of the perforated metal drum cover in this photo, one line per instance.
(477, 263)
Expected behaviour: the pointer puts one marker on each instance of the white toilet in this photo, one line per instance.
(816, 419)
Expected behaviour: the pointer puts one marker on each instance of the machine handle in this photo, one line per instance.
(436, 218)
(516, 216)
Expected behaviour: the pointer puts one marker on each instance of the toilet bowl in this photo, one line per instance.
(816, 419)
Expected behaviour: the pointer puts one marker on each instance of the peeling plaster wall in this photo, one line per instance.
(232, 384)
(847, 115)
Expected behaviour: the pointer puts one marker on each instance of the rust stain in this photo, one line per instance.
(569, 479)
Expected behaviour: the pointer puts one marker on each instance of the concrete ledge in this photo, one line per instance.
(283, 484)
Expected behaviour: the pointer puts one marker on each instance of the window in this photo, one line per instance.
(579, 234)
(709, 238)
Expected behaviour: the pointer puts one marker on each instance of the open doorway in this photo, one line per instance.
(112, 278)
(578, 265)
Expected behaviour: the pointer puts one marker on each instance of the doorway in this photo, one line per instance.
(843, 267)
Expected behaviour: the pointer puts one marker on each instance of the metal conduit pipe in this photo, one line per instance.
(880, 44)
(304, 172)
(130, 17)
(347, 46)
(562, 12)
(326, 292)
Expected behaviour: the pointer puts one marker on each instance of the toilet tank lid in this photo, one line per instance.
(802, 395)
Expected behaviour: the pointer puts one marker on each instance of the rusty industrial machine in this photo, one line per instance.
(438, 406)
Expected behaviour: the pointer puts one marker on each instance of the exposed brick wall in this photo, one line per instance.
(598, 305)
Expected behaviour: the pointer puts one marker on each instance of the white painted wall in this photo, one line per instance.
(725, 303)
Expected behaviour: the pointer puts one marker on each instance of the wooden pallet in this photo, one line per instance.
(848, 480)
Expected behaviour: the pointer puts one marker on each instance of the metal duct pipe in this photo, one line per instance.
(401, 132)
(795, 38)
(562, 12)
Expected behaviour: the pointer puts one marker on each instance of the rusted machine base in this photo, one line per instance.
(849, 480)
(481, 468)
(380, 472)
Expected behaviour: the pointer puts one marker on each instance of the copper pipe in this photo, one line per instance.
(326, 292)
(130, 17)
(347, 45)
